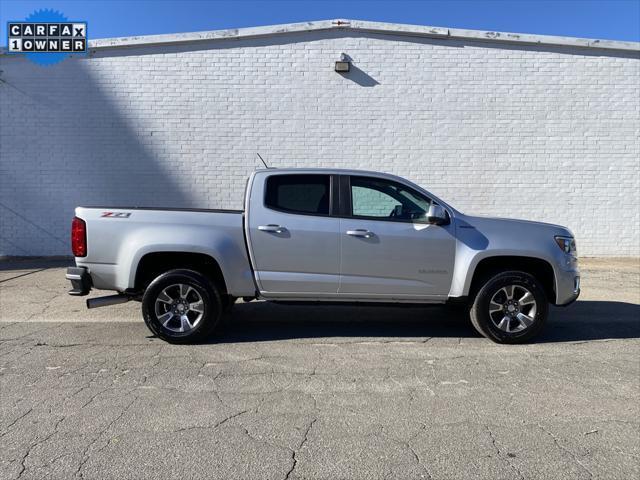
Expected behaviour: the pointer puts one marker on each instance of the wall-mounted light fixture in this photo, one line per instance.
(343, 65)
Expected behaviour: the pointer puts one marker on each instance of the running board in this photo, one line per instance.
(106, 301)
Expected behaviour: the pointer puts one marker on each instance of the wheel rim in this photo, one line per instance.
(179, 308)
(513, 308)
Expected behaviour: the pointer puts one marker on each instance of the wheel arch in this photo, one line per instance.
(153, 264)
(541, 269)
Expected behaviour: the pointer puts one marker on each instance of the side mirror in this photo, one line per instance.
(437, 215)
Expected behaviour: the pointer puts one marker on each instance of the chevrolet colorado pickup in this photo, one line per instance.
(323, 235)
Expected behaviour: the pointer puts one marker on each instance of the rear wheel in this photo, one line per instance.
(511, 307)
(181, 306)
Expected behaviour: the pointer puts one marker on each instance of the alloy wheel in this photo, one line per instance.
(179, 308)
(513, 308)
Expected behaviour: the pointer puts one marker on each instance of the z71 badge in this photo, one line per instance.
(116, 214)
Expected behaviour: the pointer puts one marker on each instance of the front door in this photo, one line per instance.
(293, 237)
(388, 249)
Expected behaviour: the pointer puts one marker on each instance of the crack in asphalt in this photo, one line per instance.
(294, 453)
(211, 427)
(500, 455)
(7, 429)
(85, 453)
(571, 454)
(23, 461)
(27, 335)
(407, 444)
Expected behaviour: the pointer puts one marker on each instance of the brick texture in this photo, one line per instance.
(541, 133)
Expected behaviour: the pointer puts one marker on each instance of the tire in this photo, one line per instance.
(510, 307)
(177, 294)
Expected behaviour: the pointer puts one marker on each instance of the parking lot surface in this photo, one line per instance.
(317, 392)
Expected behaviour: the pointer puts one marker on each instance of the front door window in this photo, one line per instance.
(386, 200)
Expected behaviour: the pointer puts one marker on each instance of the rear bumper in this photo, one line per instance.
(80, 281)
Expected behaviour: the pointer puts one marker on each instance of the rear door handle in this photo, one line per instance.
(272, 228)
(360, 232)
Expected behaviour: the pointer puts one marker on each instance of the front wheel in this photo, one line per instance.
(511, 307)
(181, 306)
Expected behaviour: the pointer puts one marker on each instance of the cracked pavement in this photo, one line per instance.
(317, 392)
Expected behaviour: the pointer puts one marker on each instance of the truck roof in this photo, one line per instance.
(339, 171)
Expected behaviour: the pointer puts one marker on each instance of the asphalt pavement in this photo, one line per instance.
(317, 392)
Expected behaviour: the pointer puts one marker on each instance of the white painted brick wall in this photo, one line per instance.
(542, 133)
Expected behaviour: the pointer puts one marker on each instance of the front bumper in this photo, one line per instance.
(567, 287)
(80, 281)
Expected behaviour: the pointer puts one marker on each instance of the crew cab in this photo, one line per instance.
(323, 235)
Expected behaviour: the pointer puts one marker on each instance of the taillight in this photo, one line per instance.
(78, 237)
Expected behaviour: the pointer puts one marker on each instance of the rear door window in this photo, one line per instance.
(299, 193)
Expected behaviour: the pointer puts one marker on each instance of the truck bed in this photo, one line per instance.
(119, 237)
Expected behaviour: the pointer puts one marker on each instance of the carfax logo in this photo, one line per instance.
(47, 37)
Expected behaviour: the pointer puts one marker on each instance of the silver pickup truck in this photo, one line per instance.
(323, 235)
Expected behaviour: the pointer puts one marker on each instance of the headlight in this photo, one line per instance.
(567, 245)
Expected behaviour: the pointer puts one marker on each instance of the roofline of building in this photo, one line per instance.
(364, 26)
(361, 26)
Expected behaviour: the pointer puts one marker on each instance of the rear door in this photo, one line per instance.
(388, 249)
(293, 236)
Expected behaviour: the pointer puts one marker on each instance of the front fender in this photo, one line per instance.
(480, 238)
(467, 262)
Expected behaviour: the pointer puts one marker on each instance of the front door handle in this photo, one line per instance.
(360, 232)
(272, 228)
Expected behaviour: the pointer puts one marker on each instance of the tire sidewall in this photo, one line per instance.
(480, 310)
(206, 290)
